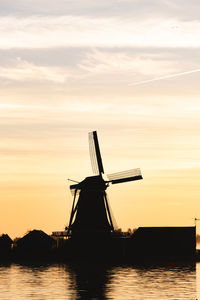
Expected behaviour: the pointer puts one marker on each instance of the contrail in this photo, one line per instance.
(165, 77)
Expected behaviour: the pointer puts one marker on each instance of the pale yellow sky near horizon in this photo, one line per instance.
(70, 69)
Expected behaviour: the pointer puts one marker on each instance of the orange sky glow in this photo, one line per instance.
(68, 71)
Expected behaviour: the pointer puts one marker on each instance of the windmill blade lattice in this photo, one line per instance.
(95, 155)
(125, 176)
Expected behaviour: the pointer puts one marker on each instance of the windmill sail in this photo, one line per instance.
(95, 154)
(125, 176)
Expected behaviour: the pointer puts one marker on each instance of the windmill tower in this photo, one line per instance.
(90, 212)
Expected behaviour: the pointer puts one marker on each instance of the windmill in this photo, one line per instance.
(90, 210)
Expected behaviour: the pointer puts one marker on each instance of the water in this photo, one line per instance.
(88, 281)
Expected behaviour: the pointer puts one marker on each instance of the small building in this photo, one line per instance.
(35, 243)
(164, 241)
(5, 246)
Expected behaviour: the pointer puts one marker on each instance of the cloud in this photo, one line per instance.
(103, 66)
(121, 62)
(98, 65)
(26, 71)
(70, 31)
(137, 9)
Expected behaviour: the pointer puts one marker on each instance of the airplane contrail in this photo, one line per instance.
(164, 77)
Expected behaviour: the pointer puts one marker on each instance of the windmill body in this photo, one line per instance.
(90, 210)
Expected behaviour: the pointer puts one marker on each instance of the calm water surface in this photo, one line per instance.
(89, 281)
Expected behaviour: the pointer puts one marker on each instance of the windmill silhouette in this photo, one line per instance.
(90, 212)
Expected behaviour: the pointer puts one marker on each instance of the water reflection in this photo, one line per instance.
(90, 280)
(153, 282)
(98, 281)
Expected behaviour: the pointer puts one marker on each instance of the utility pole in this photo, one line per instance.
(195, 221)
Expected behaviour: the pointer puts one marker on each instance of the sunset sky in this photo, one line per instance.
(129, 69)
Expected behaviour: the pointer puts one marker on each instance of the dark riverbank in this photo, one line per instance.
(146, 245)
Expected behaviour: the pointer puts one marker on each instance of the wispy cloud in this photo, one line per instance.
(21, 70)
(137, 9)
(74, 31)
(118, 63)
(94, 65)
